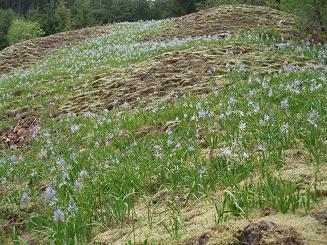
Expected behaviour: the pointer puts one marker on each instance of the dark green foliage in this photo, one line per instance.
(166, 8)
(46, 22)
(83, 14)
(6, 17)
(142, 9)
(61, 17)
(122, 10)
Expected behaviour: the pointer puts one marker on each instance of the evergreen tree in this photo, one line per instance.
(312, 14)
(121, 11)
(7, 16)
(61, 17)
(188, 6)
(82, 14)
(141, 10)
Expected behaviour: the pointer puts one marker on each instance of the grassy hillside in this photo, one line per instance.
(205, 129)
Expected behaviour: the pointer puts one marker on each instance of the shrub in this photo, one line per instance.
(21, 30)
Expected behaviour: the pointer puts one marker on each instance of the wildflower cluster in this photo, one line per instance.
(86, 172)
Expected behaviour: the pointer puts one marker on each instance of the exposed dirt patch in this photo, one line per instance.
(175, 74)
(21, 134)
(11, 218)
(197, 240)
(21, 112)
(28, 52)
(321, 216)
(230, 19)
(299, 167)
(267, 232)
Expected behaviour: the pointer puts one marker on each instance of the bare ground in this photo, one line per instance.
(21, 134)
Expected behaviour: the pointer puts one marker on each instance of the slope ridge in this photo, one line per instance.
(231, 19)
(219, 20)
(176, 74)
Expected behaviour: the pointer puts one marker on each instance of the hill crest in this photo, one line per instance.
(215, 21)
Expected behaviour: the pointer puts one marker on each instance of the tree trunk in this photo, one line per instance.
(20, 7)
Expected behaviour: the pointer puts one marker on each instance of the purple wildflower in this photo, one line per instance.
(202, 170)
(50, 195)
(59, 216)
(25, 198)
(284, 104)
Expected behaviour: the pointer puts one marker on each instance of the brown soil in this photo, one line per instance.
(230, 19)
(267, 232)
(28, 52)
(11, 217)
(197, 240)
(321, 216)
(175, 74)
(21, 134)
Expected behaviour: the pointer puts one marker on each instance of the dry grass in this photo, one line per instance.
(175, 74)
(263, 226)
(199, 227)
(29, 52)
(230, 19)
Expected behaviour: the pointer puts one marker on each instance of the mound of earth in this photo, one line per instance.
(267, 232)
(28, 52)
(194, 71)
(176, 74)
(215, 21)
(230, 19)
(321, 216)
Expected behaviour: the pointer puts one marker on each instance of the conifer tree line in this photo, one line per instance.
(24, 19)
